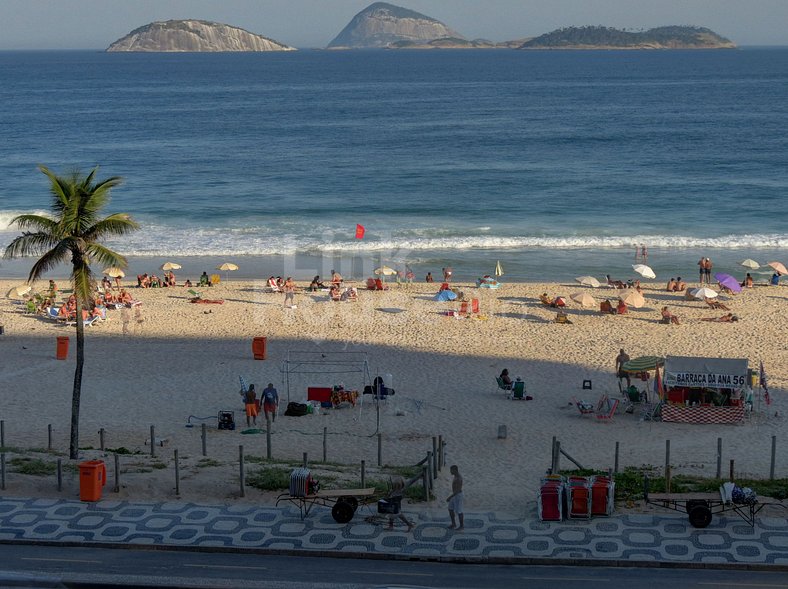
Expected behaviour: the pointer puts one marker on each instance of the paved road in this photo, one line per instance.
(93, 567)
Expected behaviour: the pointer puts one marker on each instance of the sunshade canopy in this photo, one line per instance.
(385, 271)
(778, 266)
(114, 272)
(704, 293)
(708, 373)
(633, 298)
(19, 291)
(584, 299)
(166, 266)
(227, 267)
(751, 264)
(643, 364)
(588, 281)
(644, 271)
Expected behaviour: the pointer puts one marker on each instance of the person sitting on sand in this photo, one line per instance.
(671, 286)
(506, 379)
(124, 297)
(621, 308)
(316, 284)
(188, 283)
(336, 278)
(429, 277)
(747, 282)
(204, 280)
(716, 305)
(680, 285)
(545, 300)
(614, 283)
(727, 318)
(606, 307)
(668, 317)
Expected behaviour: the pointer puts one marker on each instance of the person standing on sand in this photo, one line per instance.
(621, 359)
(707, 270)
(289, 288)
(270, 402)
(643, 252)
(455, 499)
(701, 269)
(251, 407)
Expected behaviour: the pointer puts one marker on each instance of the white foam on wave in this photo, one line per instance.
(7, 216)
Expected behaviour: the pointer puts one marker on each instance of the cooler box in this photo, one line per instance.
(300, 482)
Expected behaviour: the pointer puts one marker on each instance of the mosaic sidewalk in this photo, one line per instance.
(665, 538)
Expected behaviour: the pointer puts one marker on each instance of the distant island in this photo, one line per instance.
(671, 37)
(194, 35)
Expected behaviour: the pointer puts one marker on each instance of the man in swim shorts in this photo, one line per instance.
(455, 499)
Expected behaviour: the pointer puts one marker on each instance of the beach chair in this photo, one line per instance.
(501, 384)
(651, 412)
(194, 294)
(215, 279)
(464, 309)
(475, 306)
(584, 407)
(518, 391)
(606, 408)
(562, 317)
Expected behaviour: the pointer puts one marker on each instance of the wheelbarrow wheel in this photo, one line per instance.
(342, 512)
(700, 516)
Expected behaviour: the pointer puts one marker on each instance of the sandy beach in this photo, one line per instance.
(180, 359)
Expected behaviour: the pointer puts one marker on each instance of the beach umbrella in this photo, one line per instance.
(704, 293)
(583, 299)
(114, 272)
(385, 271)
(751, 264)
(643, 364)
(19, 291)
(588, 281)
(227, 267)
(644, 271)
(728, 281)
(167, 266)
(498, 268)
(778, 267)
(633, 299)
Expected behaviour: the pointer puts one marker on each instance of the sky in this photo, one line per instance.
(94, 24)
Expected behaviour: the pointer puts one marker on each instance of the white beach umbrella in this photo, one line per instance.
(583, 299)
(19, 291)
(498, 268)
(588, 281)
(114, 272)
(167, 266)
(227, 267)
(644, 271)
(385, 271)
(704, 293)
(751, 264)
(633, 299)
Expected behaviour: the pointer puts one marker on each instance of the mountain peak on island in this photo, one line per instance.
(383, 25)
(194, 35)
(669, 37)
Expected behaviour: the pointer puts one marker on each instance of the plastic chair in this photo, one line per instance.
(501, 384)
(518, 391)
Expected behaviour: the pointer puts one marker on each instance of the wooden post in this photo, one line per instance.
(424, 481)
(305, 460)
(59, 474)
(116, 489)
(774, 457)
(2, 471)
(101, 439)
(552, 457)
(177, 474)
(49, 437)
(667, 462)
(434, 457)
(241, 465)
(380, 449)
(152, 442)
(204, 435)
(2, 433)
(615, 464)
(719, 458)
(429, 466)
(440, 453)
(557, 457)
(363, 474)
(667, 479)
(268, 435)
(731, 473)
(325, 444)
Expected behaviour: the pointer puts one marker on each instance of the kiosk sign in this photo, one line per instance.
(710, 373)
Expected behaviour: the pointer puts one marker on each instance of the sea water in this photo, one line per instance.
(555, 163)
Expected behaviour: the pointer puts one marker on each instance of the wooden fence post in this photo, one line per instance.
(152, 441)
(731, 473)
(177, 474)
(204, 435)
(101, 439)
(59, 474)
(363, 474)
(49, 437)
(667, 466)
(2, 433)
(2, 471)
(719, 458)
(615, 464)
(424, 481)
(325, 444)
(116, 489)
(380, 449)
(434, 457)
(440, 453)
(241, 466)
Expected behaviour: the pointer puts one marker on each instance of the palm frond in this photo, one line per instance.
(37, 222)
(30, 244)
(117, 224)
(83, 282)
(59, 188)
(57, 255)
(105, 256)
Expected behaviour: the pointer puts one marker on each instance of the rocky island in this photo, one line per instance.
(194, 35)
(383, 25)
(672, 37)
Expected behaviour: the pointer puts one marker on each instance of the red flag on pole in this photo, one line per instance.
(360, 231)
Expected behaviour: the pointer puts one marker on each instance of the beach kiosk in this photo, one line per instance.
(705, 390)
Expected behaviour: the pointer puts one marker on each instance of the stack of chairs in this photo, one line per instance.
(578, 498)
(550, 503)
(602, 496)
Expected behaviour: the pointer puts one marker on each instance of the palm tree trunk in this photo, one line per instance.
(76, 395)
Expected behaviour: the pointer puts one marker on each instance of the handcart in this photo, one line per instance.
(700, 507)
(305, 493)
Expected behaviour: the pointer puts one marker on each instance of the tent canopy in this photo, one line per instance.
(710, 373)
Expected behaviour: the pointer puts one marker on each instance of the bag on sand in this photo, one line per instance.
(296, 409)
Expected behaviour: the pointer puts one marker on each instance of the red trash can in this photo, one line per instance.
(62, 347)
(259, 348)
(92, 478)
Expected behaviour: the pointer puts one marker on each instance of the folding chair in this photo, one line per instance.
(518, 391)
(606, 408)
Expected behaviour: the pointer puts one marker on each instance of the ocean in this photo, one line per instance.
(555, 163)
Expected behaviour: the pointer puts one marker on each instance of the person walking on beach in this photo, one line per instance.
(455, 499)
(621, 359)
(289, 288)
(707, 270)
(643, 252)
(701, 269)
(270, 402)
(251, 407)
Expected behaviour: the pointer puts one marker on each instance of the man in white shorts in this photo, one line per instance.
(455, 499)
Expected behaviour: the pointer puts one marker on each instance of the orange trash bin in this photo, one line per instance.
(92, 478)
(259, 347)
(62, 347)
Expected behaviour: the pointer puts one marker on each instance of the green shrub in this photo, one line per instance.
(269, 479)
(33, 466)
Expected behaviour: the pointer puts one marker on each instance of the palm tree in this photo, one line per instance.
(72, 233)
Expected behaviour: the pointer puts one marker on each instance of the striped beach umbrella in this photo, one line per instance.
(643, 364)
